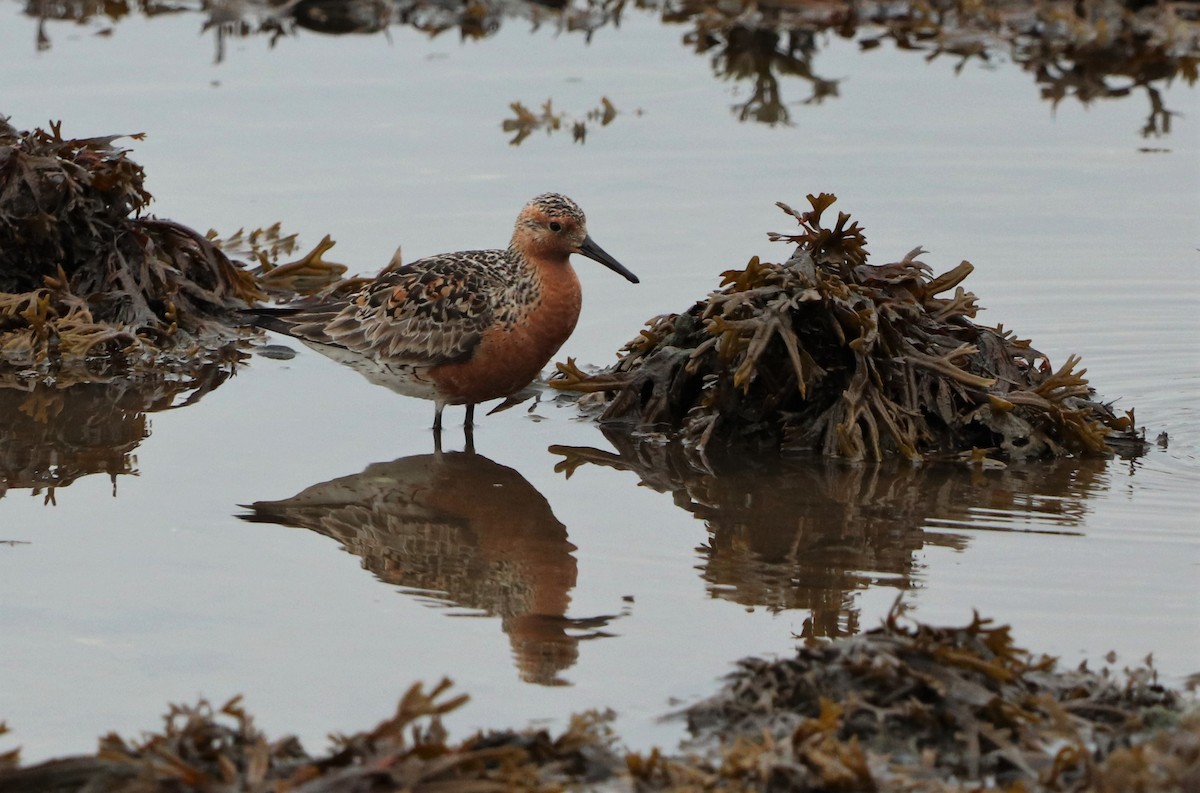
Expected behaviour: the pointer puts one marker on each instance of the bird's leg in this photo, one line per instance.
(469, 430)
(437, 443)
(437, 415)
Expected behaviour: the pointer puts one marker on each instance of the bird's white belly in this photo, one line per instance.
(406, 379)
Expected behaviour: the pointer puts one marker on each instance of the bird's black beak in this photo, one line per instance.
(590, 249)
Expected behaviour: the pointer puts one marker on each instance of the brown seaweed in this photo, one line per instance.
(205, 748)
(90, 286)
(81, 270)
(913, 707)
(904, 707)
(826, 353)
(107, 314)
(525, 121)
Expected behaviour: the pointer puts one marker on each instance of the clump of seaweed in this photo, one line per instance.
(900, 708)
(206, 748)
(905, 708)
(827, 353)
(88, 282)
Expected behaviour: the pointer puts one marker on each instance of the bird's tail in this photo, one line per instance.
(271, 318)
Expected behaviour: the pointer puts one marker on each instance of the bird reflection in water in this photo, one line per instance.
(457, 529)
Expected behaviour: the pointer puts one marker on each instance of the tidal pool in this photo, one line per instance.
(144, 576)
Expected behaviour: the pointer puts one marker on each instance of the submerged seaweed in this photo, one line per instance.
(825, 352)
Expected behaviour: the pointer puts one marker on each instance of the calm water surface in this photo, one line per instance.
(631, 584)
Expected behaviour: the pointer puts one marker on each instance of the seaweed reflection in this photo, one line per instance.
(1086, 50)
(808, 534)
(760, 56)
(52, 435)
(458, 529)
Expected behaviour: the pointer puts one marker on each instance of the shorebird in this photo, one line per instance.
(460, 328)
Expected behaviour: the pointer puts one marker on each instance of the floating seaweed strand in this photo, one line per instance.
(827, 353)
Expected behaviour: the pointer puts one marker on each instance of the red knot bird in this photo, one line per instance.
(460, 328)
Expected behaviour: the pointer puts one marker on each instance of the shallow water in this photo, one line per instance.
(630, 584)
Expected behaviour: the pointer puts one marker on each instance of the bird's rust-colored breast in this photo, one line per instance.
(509, 356)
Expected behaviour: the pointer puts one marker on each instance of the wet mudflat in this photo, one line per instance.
(632, 584)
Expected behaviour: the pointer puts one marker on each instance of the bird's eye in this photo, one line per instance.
(555, 226)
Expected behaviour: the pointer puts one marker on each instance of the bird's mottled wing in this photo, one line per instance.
(432, 310)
